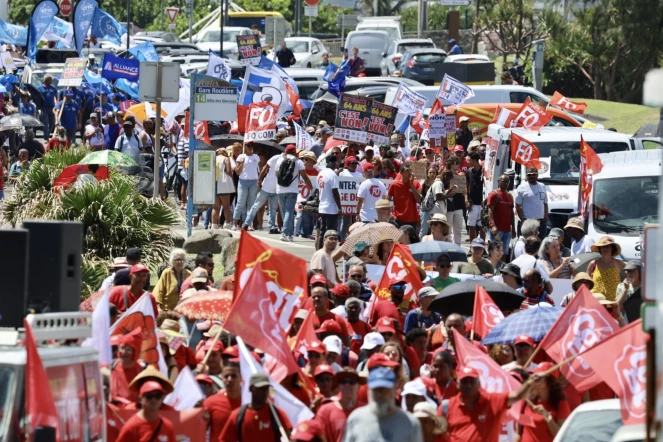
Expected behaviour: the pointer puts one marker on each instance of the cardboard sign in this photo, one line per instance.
(248, 47)
(7, 61)
(418, 169)
(353, 115)
(437, 127)
(72, 74)
(381, 123)
(450, 125)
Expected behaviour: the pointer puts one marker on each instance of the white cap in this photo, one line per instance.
(372, 340)
(302, 313)
(416, 388)
(333, 344)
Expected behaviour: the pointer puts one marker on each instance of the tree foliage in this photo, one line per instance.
(437, 17)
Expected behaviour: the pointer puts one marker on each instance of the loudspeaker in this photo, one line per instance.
(54, 269)
(13, 265)
(45, 56)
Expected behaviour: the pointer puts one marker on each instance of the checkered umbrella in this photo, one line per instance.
(534, 322)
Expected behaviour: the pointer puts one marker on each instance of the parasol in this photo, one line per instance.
(206, 305)
(109, 158)
(459, 297)
(581, 261)
(534, 322)
(372, 233)
(430, 250)
(143, 111)
(17, 121)
(69, 175)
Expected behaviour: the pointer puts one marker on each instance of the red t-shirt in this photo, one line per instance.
(120, 379)
(117, 297)
(502, 203)
(412, 361)
(447, 391)
(137, 429)
(54, 143)
(357, 332)
(540, 431)
(385, 308)
(405, 206)
(220, 406)
(464, 165)
(134, 406)
(257, 426)
(332, 418)
(317, 320)
(480, 424)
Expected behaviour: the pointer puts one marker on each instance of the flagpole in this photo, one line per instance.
(284, 436)
(209, 350)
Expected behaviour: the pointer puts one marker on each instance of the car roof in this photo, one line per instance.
(552, 134)
(368, 31)
(631, 163)
(300, 39)
(427, 51)
(413, 40)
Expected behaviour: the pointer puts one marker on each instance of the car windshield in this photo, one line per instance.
(407, 46)
(298, 47)
(213, 36)
(428, 58)
(564, 159)
(393, 32)
(625, 205)
(7, 394)
(593, 426)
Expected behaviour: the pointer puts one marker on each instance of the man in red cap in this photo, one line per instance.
(370, 191)
(459, 152)
(320, 300)
(147, 424)
(289, 169)
(316, 356)
(524, 346)
(126, 367)
(324, 375)
(475, 415)
(222, 404)
(390, 307)
(213, 365)
(125, 296)
(406, 194)
(333, 414)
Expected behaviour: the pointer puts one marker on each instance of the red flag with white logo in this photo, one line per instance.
(620, 361)
(583, 324)
(200, 130)
(418, 122)
(295, 102)
(532, 116)
(306, 334)
(486, 314)
(560, 100)
(260, 122)
(503, 117)
(254, 318)
(590, 165)
(400, 265)
(524, 152)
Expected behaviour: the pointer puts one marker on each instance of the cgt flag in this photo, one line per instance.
(400, 265)
(590, 165)
(524, 152)
(40, 18)
(531, 116)
(560, 100)
(620, 361)
(83, 14)
(486, 314)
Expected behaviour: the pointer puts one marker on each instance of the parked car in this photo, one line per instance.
(390, 24)
(237, 70)
(371, 44)
(210, 38)
(352, 84)
(305, 74)
(308, 51)
(392, 56)
(423, 65)
(595, 421)
(187, 57)
(466, 58)
(163, 35)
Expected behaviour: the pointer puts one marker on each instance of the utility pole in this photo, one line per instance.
(221, 26)
(128, 24)
(189, 4)
(475, 30)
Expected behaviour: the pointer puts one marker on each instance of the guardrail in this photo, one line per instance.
(334, 47)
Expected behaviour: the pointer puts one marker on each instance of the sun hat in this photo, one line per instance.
(607, 241)
(600, 297)
(150, 374)
(438, 218)
(120, 263)
(582, 277)
(575, 223)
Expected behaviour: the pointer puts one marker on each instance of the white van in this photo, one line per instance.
(371, 44)
(624, 198)
(559, 148)
(391, 25)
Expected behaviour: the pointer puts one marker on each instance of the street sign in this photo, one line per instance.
(312, 2)
(454, 2)
(310, 11)
(172, 14)
(73, 71)
(170, 81)
(214, 99)
(347, 21)
(275, 30)
(65, 7)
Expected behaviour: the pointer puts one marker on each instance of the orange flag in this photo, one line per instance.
(524, 152)
(503, 117)
(590, 164)
(486, 314)
(560, 100)
(532, 116)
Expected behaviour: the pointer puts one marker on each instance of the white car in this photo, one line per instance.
(467, 58)
(210, 38)
(308, 51)
(595, 421)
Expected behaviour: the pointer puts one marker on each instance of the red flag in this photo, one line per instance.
(401, 265)
(590, 164)
(295, 102)
(286, 276)
(620, 361)
(583, 324)
(486, 314)
(306, 334)
(532, 116)
(242, 112)
(200, 130)
(39, 404)
(560, 100)
(418, 122)
(253, 317)
(260, 121)
(524, 152)
(503, 117)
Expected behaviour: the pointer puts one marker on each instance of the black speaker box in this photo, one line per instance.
(45, 56)
(54, 269)
(14, 250)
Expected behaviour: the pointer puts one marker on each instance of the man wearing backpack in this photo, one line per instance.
(288, 170)
(129, 142)
(500, 214)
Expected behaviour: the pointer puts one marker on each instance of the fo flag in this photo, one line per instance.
(590, 165)
(524, 152)
(402, 266)
(217, 67)
(40, 18)
(583, 324)
(560, 100)
(532, 116)
(454, 91)
(620, 361)
(503, 117)
(486, 314)
(83, 15)
(260, 122)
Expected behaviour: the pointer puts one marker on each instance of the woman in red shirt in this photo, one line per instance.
(147, 425)
(547, 407)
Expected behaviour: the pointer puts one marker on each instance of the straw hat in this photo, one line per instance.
(600, 297)
(607, 241)
(582, 277)
(439, 218)
(150, 374)
(575, 223)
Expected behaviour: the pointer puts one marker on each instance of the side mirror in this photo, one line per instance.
(384, 54)
(315, 51)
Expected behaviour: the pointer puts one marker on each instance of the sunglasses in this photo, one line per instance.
(313, 355)
(392, 353)
(150, 396)
(399, 286)
(358, 275)
(444, 266)
(353, 163)
(178, 260)
(347, 382)
(435, 223)
(532, 174)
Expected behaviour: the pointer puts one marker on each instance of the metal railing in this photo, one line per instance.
(334, 47)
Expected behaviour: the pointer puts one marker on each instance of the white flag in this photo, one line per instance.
(100, 339)
(293, 407)
(264, 85)
(408, 102)
(59, 30)
(217, 67)
(454, 91)
(304, 140)
(186, 391)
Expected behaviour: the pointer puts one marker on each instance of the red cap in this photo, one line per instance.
(202, 377)
(524, 339)
(307, 431)
(149, 387)
(218, 346)
(350, 159)
(329, 326)
(544, 367)
(138, 268)
(467, 372)
(429, 148)
(291, 148)
(385, 325)
(316, 347)
(324, 368)
(368, 167)
(459, 148)
(396, 280)
(232, 351)
(318, 278)
(341, 290)
(380, 360)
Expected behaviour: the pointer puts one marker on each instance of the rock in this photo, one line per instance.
(206, 241)
(230, 250)
(178, 240)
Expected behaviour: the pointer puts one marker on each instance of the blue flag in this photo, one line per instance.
(40, 18)
(265, 63)
(8, 80)
(336, 84)
(117, 67)
(104, 26)
(92, 77)
(144, 52)
(128, 87)
(12, 34)
(83, 14)
(404, 125)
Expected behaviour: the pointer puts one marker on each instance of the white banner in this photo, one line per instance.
(100, 339)
(186, 391)
(217, 67)
(437, 127)
(454, 91)
(59, 30)
(408, 101)
(304, 140)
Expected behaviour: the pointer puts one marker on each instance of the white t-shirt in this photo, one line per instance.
(528, 262)
(355, 174)
(584, 246)
(371, 191)
(532, 198)
(98, 138)
(294, 186)
(440, 206)
(251, 168)
(269, 183)
(327, 181)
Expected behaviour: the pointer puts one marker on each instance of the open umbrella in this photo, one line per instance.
(206, 305)
(333, 142)
(91, 302)
(226, 140)
(17, 121)
(288, 140)
(36, 96)
(459, 297)
(430, 250)
(533, 322)
(372, 233)
(143, 111)
(109, 158)
(581, 261)
(69, 175)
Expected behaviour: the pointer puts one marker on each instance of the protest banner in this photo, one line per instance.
(118, 67)
(260, 122)
(353, 115)
(249, 50)
(72, 74)
(450, 126)
(418, 169)
(454, 91)
(437, 127)
(381, 123)
(407, 101)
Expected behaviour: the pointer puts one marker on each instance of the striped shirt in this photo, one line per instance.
(182, 150)
(531, 302)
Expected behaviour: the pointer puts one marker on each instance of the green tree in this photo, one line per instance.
(437, 17)
(325, 22)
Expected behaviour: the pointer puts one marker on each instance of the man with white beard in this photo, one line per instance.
(381, 420)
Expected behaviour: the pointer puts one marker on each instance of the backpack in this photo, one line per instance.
(286, 173)
(429, 200)
(240, 421)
